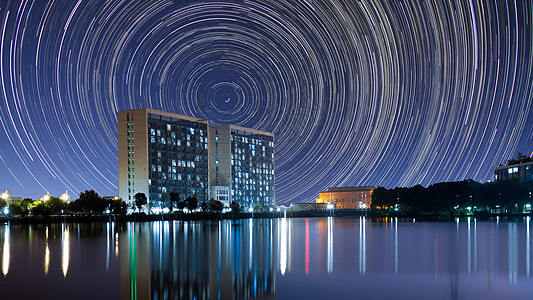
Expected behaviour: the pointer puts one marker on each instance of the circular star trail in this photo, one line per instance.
(383, 93)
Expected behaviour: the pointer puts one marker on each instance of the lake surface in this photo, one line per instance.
(316, 258)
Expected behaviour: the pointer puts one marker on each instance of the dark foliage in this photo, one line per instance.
(455, 197)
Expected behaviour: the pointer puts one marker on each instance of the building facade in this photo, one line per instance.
(160, 153)
(522, 171)
(242, 159)
(348, 197)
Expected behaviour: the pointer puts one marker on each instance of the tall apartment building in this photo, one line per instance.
(161, 152)
(241, 165)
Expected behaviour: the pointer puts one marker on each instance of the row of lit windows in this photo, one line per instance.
(236, 138)
(191, 131)
(246, 178)
(252, 170)
(250, 187)
(243, 157)
(170, 169)
(512, 170)
(154, 182)
(239, 196)
(178, 176)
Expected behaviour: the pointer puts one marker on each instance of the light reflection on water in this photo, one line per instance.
(317, 258)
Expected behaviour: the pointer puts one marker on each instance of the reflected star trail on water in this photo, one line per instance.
(391, 93)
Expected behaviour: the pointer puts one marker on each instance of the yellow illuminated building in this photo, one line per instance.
(347, 197)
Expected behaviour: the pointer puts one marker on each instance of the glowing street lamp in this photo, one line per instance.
(65, 197)
(46, 197)
(5, 195)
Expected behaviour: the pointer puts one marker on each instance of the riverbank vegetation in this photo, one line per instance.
(456, 198)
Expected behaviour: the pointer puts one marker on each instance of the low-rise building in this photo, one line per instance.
(523, 171)
(347, 197)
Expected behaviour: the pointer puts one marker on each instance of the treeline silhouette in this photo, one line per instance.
(456, 198)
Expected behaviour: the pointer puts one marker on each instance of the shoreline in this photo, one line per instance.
(231, 216)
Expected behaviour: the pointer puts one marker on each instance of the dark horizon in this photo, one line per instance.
(381, 94)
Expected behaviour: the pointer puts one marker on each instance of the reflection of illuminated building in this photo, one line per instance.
(134, 280)
(347, 197)
(5, 251)
(229, 261)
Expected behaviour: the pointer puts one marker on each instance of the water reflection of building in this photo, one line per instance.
(204, 260)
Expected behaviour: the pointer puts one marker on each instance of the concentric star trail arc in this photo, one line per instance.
(383, 93)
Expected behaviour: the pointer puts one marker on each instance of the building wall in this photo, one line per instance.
(347, 198)
(178, 156)
(132, 154)
(242, 159)
(161, 152)
(220, 144)
(521, 171)
(252, 166)
(148, 163)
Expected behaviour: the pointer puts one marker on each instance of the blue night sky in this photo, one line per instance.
(383, 93)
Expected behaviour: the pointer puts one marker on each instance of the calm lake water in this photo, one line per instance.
(316, 258)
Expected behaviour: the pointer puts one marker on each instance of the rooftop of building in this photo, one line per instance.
(514, 166)
(245, 129)
(166, 114)
(200, 120)
(349, 189)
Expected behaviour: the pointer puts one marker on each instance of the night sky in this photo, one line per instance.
(383, 93)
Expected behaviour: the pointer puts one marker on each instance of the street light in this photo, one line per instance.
(330, 207)
(46, 197)
(5, 195)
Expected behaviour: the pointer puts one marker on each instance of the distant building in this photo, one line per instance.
(522, 171)
(242, 160)
(347, 197)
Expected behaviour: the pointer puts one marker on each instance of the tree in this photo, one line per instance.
(235, 207)
(520, 159)
(215, 205)
(181, 205)
(40, 208)
(174, 199)
(117, 206)
(204, 206)
(191, 203)
(140, 200)
(91, 202)
(56, 205)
